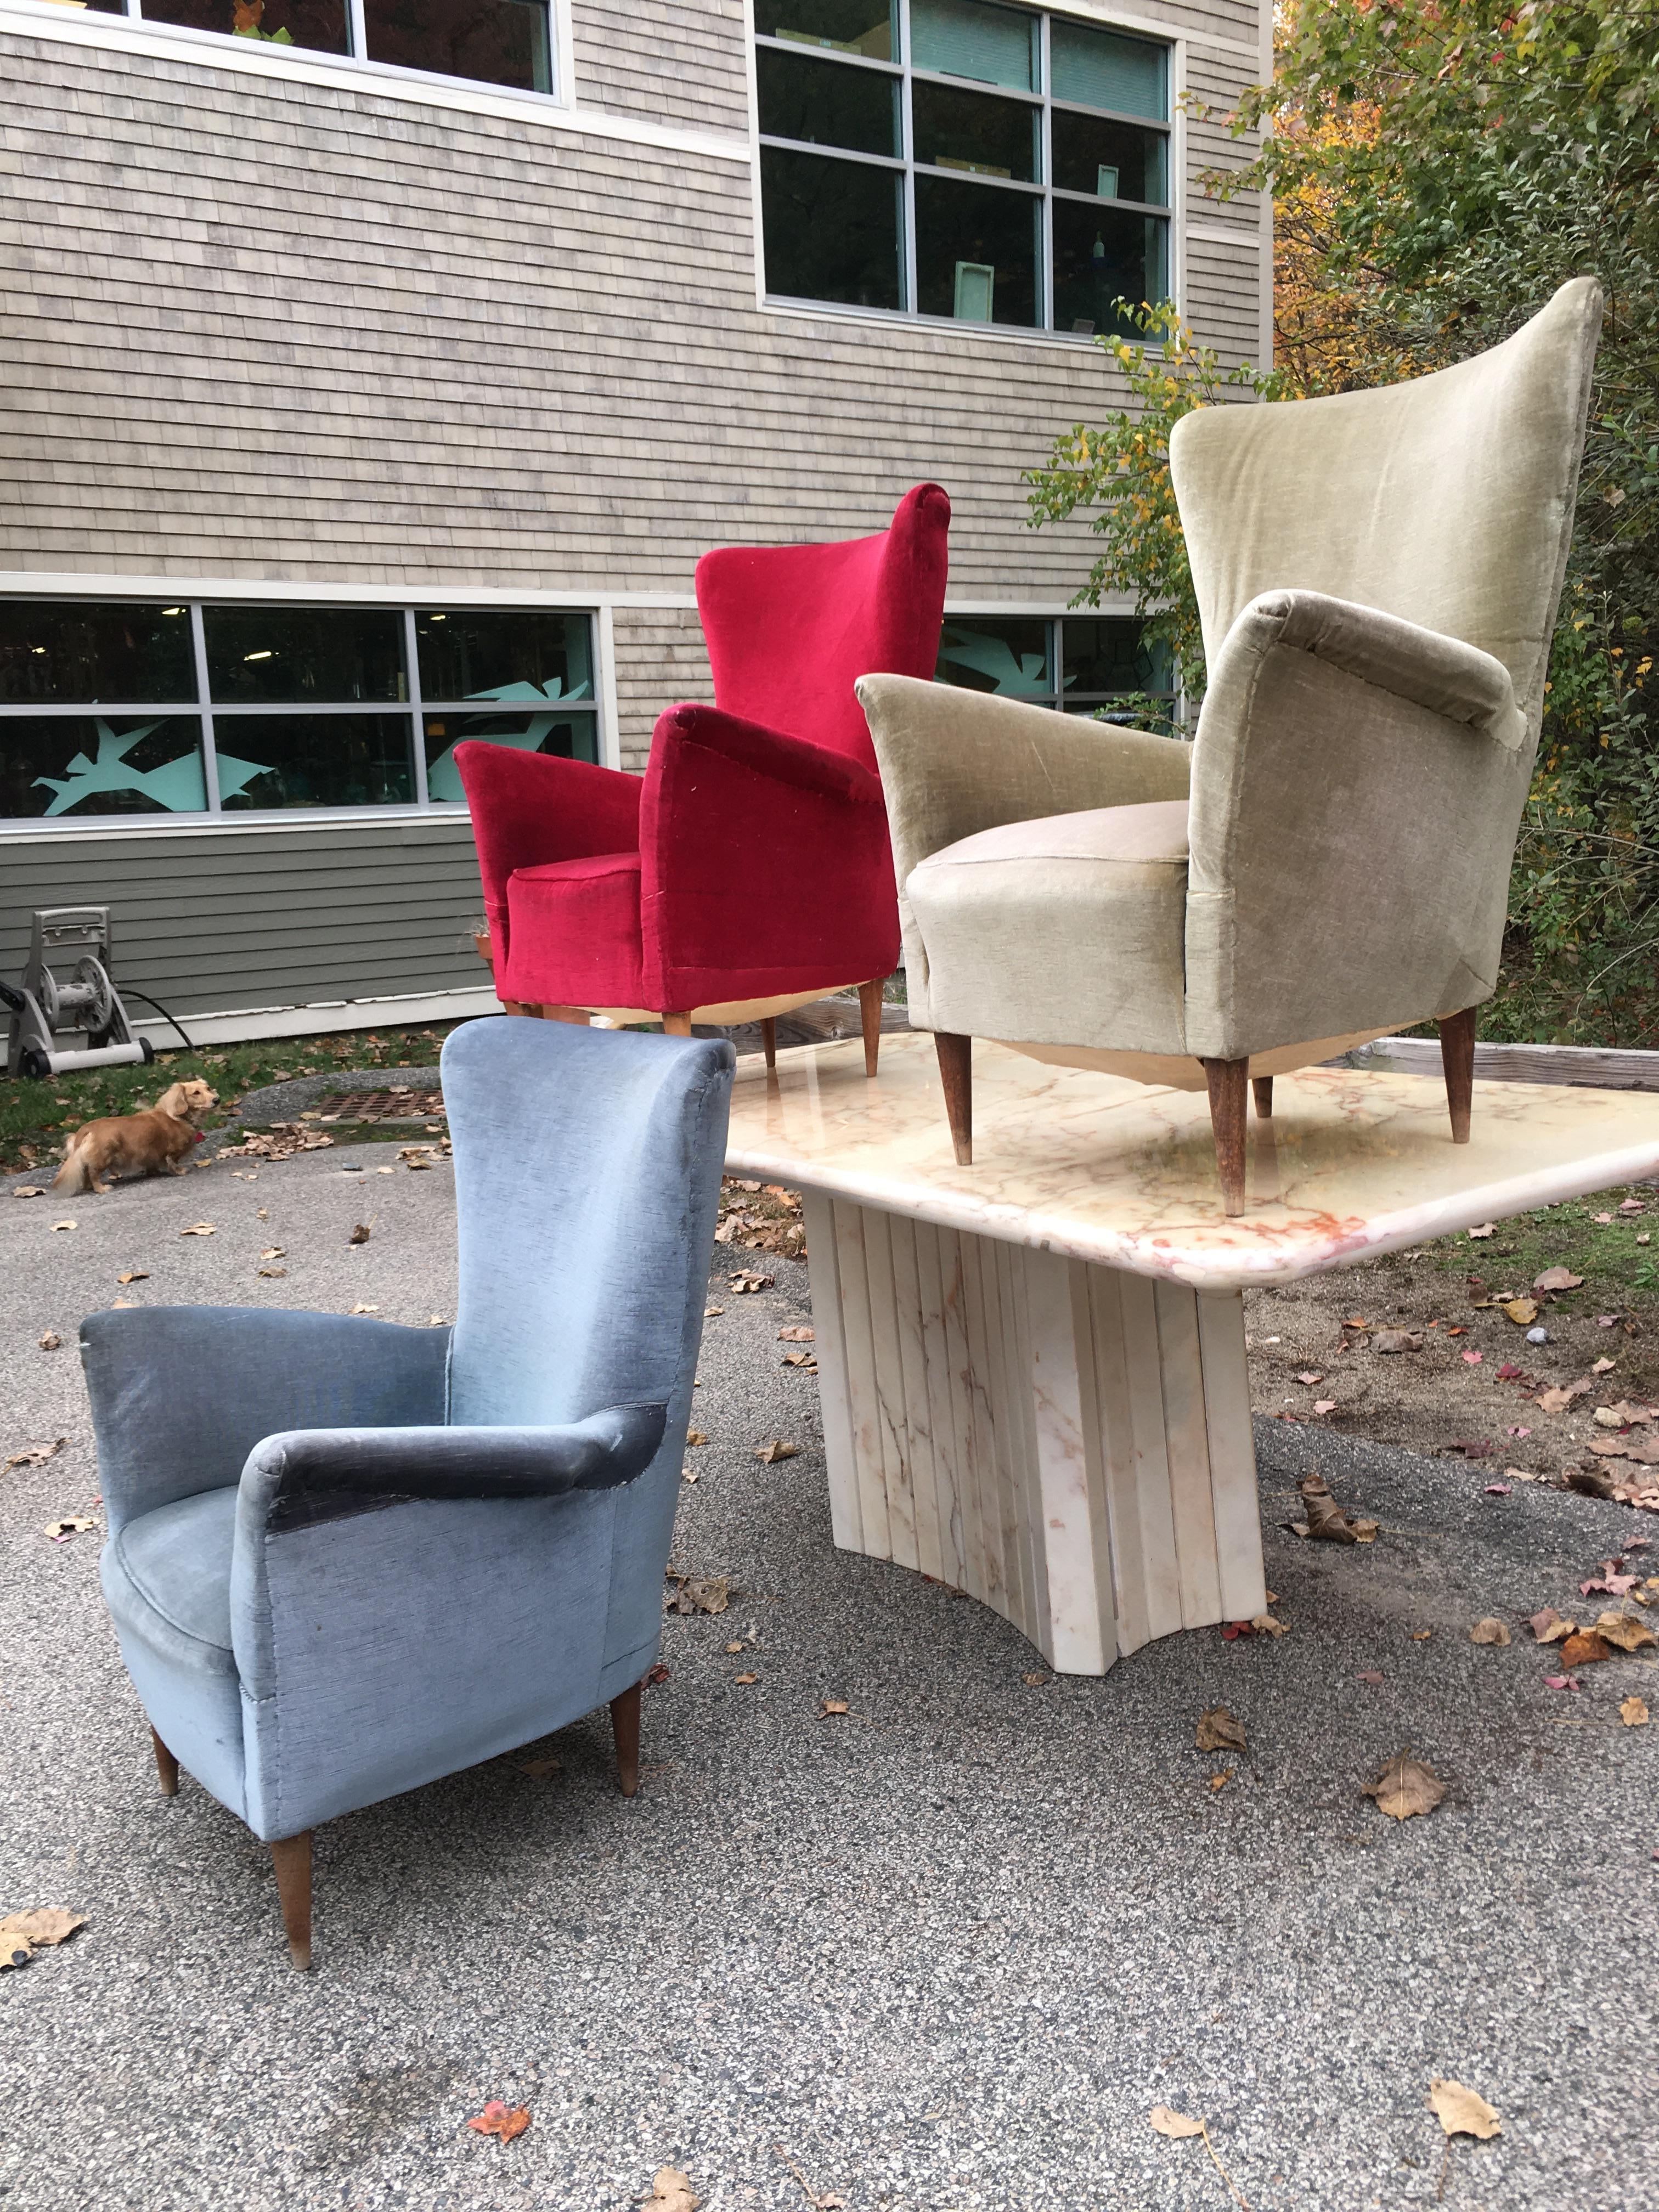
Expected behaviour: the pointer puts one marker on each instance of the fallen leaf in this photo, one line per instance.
(41, 1924)
(1485, 1229)
(656, 1674)
(671, 2192)
(1624, 1630)
(1405, 1787)
(1421, 1635)
(1033, 1681)
(713, 1313)
(361, 1234)
(1327, 1522)
(199, 1228)
(796, 1336)
(74, 1524)
(747, 1279)
(1561, 1683)
(1472, 1359)
(1396, 1339)
(1522, 1311)
(1633, 1713)
(1615, 1585)
(1219, 1730)
(538, 1770)
(1489, 1631)
(1220, 1781)
(1601, 1219)
(1310, 1377)
(1264, 1624)
(745, 1678)
(272, 1272)
(777, 1449)
(696, 1437)
(1622, 1415)
(1558, 1279)
(1557, 1399)
(1460, 2113)
(70, 1224)
(1632, 1205)
(1324, 1405)
(1173, 2123)
(273, 1252)
(496, 2120)
(1369, 1676)
(1603, 1367)
(800, 1359)
(697, 1592)
(51, 1341)
(133, 1275)
(1586, 1648)
(36, 1455)
(831, 1705)
(1556, 1630)
(365, 1309)
(29, 1190)
(1498, 1489)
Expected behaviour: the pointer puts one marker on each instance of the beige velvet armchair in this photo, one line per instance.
(1378, 575)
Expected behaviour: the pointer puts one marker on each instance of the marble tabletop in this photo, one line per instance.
(1352, 1163)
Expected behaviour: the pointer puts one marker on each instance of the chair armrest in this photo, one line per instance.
(1358, 785)
(954, 762)
(307, 1476)
(822, 911)
(181, 1394)
(530, 809)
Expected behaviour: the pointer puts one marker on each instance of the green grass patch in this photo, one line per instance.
(1618, 1265)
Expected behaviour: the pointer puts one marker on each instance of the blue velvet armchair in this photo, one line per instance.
(346, 1557)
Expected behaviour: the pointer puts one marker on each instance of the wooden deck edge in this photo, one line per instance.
(1591, 1067)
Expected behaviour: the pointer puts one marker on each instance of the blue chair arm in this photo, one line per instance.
(307, 1476)
(181, 1394)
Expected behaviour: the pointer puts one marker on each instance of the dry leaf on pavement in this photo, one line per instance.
(777, 1449)
(1556, 1400)
(1460, 2113)
(1625, 1631)
(1264, 1624)
(361, 1234)
(1220, 1730)
(1406, 1786)
(1584, 1649)
(1558, 1279)
(51, 1341)
(1327, 1523)
(1176, 2124)
(671, 2192)
(697, 1592)
(199, 1228)
(1489, 1631)
(36, 1455)
(498, 2119)
(38, 1926)
(365, 1309)
(1396, 1339)
(1633, 1713)
(696, 1437)
(797, 1335)
(1550, 1627)
(747, 1279)
(133, 1275)
(1603, 1366)
(29, 1190)
(831, 1707)
(743, 1680)
(69, 1225)
(1522, 1311)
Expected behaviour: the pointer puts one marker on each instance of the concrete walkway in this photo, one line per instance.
(947, 1951)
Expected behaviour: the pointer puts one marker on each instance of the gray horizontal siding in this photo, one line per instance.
(678, 61)
(263, 917)
(661, 659)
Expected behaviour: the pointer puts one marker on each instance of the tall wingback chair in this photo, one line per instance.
(346, 1557)
(1378, 575)
(751, 871)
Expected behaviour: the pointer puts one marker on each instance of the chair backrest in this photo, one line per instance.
(791, 628)
(1447, 500)
(587, 1170)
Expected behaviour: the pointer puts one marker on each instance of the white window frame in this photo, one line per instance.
(213, 718)
(1164, 34)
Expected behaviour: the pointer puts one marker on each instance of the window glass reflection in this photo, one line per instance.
(313, 654)
(976, 132)
(567, 737)
(844, 27)
(831, 229)
(975, 40)
(319, 24)
(65, 652)
(489, 41)
(977, 253)
(1103, 255)
(471, 653)
(70, 764)
(1013, 657)
(1113, 161)
(318, 760)
(1102, 69)
(825, 106)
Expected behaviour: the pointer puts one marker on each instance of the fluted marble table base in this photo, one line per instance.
(1033, 1368)
(1069, 1444)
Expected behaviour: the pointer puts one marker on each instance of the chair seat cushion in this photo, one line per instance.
(1067, 929)
(170, 1570)
(573, 937)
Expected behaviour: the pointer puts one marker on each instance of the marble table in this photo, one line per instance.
(1032, 1369)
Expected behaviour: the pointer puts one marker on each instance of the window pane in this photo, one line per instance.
(320, 23)
(1113, 159)
(1100, 69)
(831, 228)
(314, 760)
(469, 652)
(1104, 653)
(66, 764)
(975, 130)
(976, 252)
(1102, 255)
(825, 103)
(850, 27)
(973, 39)
(1013, 658)
(570, 737)
(328, 654)
(491, 41)
(64, 651)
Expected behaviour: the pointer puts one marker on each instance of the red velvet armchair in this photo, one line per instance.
(750, 869)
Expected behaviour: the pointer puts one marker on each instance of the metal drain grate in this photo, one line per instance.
(396, 1105)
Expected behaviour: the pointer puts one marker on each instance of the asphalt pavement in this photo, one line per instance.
(944, 1951)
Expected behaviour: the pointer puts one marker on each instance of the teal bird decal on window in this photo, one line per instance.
(443, 778)
(178, 785)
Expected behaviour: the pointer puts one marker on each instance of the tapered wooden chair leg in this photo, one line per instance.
(1262, 1086)
(870, 1014)
(1227, 1079)
(676, 1025)
(1457, 1058)
(625, 1727)
(955, 1073)
(166, 1766)
(769, 1039)
(292, 1860)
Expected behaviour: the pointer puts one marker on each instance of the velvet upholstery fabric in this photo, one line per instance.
(753, 861)
(346, 1557)
(1378, 575)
